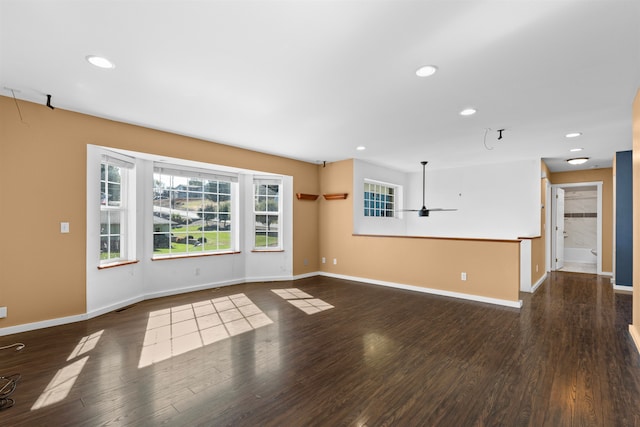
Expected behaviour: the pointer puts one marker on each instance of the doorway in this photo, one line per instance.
(576, 227)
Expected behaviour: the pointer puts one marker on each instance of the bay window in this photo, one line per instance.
(192, 212)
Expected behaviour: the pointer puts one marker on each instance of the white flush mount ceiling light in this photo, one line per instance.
(578, 161)
(99, 61)
(573, 150)
(573, 135)
(468, 112)
(426, 71)
(361, 148)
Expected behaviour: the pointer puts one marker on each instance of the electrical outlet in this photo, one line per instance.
(324, 260)
(3, 312)
(335, 261)
(463, 276)
(306, 261)
(197, 271)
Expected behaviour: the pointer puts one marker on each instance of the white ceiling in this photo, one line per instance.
(312, 80)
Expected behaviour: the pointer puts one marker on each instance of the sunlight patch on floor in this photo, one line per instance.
(61, 384)
(291, 293)
(302, 300)
(178, 330)
(85, 345)
(59, 387)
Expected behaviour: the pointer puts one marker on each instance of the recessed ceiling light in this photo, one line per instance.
(361, 148)
(576, 149)
(468, 112)
(573, 134)
(578, 160)
(426, 71)
(100, 61)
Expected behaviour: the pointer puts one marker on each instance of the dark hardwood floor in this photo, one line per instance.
(379, 357)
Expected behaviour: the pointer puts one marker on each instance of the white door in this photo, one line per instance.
(559, 228)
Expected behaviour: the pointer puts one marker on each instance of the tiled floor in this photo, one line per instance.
(579, 267)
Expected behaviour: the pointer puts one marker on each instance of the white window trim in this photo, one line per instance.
(208, 174)
(127, 197)
(397, 203)
(268, 180)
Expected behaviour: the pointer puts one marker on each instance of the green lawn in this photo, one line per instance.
(114, 255)
(263, 241)
(216, 240)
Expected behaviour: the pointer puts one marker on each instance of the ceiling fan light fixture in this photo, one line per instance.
(99, 61)
(578, 160)
(426, 71)
(468, 112)
(573, 134)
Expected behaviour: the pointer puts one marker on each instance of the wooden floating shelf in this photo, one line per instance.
(302, 196)
(337, 196)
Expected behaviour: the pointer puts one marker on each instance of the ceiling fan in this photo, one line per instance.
(424, 211)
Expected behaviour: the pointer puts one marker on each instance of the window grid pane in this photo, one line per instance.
(379, 200)
(191, 215)
(267, 216)
(112, 213)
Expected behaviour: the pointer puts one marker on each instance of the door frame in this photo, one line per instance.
(554, 228)
(551, 236)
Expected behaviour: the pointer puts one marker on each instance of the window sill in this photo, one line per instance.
(194, 256)
(267, 250)
(117, 264)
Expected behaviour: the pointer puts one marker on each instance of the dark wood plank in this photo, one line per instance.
(381, 356)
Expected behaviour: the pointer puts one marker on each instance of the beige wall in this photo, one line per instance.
(592, 175)
(43, 182)
(635, 327)
(493, 267)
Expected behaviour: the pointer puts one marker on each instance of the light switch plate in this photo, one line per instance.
(64, 227)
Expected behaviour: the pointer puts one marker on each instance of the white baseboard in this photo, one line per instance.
(196, 288)
(113, 307)
(477, 298)
(538, 283)
(268, 279)
(307, 275)
(9, 330)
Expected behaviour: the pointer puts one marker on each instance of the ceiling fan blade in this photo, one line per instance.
(425, 212)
